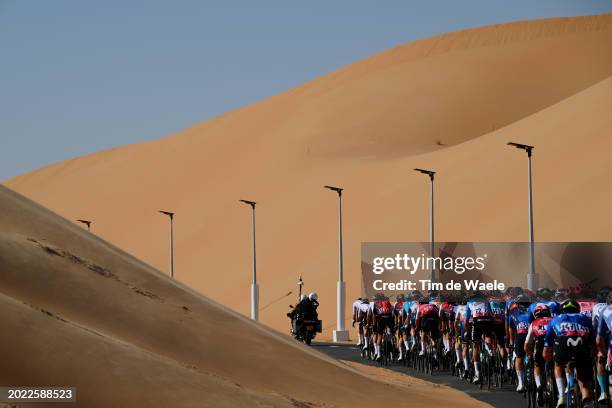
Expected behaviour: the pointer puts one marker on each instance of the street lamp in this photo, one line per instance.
(171, 215)
(432, 274)
(340, 334)
(532, 282)
(254, 285)
(86, 222)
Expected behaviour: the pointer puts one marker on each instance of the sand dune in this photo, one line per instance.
(448, 102)
(77, 311)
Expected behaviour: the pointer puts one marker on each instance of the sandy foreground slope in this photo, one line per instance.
(449, 103)
(77, 311)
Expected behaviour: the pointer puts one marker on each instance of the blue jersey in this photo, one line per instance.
(409, 309)
(477, 309)
(569, 325)
(518, 320)
(605, 321)
(498, 310)
(553, 306)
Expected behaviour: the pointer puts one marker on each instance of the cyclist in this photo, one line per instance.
(604, 347)
(447, 322)
(461, 345)
(518, 327)
(498, 311)
(360, 314)
(534, 346)
(479, 323)
(428, 323)
(382, 319)
(398, 307)
(570, 337)
(356, 306)
(409, 313)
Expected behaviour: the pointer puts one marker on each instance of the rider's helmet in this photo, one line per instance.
(545, 294)
(602, 295)
(522, 300)
(302, 297)
(365, 300)
(400, 297)
(415, 295)
(313, 296)
(478, 295)
(541, 311)
(561, 294)
(609, 298)
(570, 306)
(515, 291)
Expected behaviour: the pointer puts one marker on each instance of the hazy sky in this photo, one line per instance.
(80, 76)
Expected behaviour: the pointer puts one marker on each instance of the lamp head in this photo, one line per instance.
(336, 189)
(521, 146)
(430, 173)
(251, 203)
(168, 213)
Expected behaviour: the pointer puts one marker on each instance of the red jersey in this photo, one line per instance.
(539, 325)
(428, 310)
(383, 308)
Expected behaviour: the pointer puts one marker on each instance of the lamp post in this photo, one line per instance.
(254, 285)
(340, 334)
(171, 215)
(87, 223)
(532, 281)
(432, 274)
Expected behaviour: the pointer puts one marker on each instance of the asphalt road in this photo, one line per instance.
(505, 397)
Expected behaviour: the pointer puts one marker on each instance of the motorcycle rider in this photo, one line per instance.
(305, 309)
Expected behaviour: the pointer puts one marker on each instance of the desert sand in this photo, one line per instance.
(77, 311)
(449, 103)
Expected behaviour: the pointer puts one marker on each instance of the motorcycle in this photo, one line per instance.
(304, 327)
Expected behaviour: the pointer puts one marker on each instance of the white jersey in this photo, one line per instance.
(606, 317)
(597, 310)
(360, 309)
(356, 305)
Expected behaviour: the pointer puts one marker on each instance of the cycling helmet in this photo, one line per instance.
(302, 297)
(365, 300)
(541, 311)
(415, 295)
(545, 293)
(313, 296)
(515, 291)
(478, 295)
(570, 306)
(561, 294)
(609, 298)
(400, 297)
(602, 295)
(522, 300)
